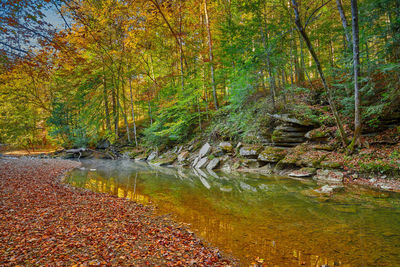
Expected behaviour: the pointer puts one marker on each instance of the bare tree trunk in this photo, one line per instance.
(133, 111)
(105, 96)
(320, 72)
(344, 21)
(356, 59)
(114, 108)
(264, 38)
(210, 50)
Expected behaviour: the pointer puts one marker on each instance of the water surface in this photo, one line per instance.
(252, 216)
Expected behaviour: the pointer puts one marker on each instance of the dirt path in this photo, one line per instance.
(45, 222)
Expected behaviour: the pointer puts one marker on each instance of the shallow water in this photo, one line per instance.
(252, 216)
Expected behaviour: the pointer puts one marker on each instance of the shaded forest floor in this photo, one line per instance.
(45, 222)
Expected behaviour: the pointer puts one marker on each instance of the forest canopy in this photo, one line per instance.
(151, 72)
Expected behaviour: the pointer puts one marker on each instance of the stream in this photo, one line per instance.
(251, 215)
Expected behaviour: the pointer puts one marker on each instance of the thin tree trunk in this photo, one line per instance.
(114, 107)
(133, 111)
(105, 96)
(264, 39)
(356, 59)
(320, 72)
(344, 21)
(210, 50)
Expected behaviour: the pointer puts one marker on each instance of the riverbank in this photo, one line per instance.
(46, 222)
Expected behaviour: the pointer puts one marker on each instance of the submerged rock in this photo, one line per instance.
(329, 176)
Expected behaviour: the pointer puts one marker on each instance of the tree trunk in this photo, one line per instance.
(133, 111)
(264, 39)
(210, 50)
(356, 59)
(320, 72)
(105, 96)
(344, 21)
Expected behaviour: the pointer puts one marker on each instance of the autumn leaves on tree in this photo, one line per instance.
(152, 71)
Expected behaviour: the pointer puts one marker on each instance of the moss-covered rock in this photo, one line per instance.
(272, 154)
(303, 172)
(167, 160)
(331, 165)
(317, 135)
(280, 136)
(250, 151)
(226, 147)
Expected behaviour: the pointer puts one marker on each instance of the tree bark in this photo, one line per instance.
(320, 72)
(356, 64)
(133, 111)
(210, 50)
(344, 21)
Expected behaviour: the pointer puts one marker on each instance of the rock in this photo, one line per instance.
(303, 172)
(329, 176)
(103, 144)
(201, 163)
(217, 152)
(205, 150)
(279, 136)
(213, 164)
(226, 146)
(239, 145)
(322, 192)
(141, 157)
(331, 165)
(167, 160)
(272, 154)
(251, 163)
(294, 129)
(324, 147)
(183, 156)
(196, 160)
(328, 189)
(250, 151)
(317, 135)
(152, 156)
(287, 118)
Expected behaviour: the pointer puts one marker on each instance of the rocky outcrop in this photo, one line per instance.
(205, 150)
(250, 151)
(290, 119)
(213, 164)
(272, 154)
(201, 163)
(152, 156)
(165, 160)
(226, 147)
(289, 135)
(318, 135)
(303, 172)
(183, 156)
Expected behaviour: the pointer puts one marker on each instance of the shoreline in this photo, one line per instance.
(68, 225)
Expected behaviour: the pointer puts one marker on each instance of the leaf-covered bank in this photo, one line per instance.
(45, 222)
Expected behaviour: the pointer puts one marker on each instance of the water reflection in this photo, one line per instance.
(257, 216)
